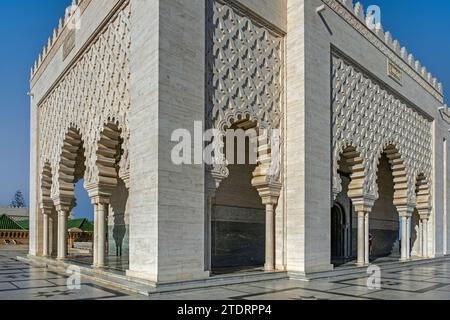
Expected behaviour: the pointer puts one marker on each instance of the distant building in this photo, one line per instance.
(17, 214)
(12, 232)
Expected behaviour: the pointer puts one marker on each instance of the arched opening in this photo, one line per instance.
(49, 215)
(80, 225)
(343, 225)
(72, 165)
(110, 186)
(416, 250)
(118, 228)
(384, 218)
(419, 232)
(75, 200)
(339, 237)
(238, 214)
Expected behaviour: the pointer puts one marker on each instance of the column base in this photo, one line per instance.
(405, 259)
(269, 268)
(362, 264)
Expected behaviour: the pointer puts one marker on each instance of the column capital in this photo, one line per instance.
(62, 207)
(214, 177)
(424, 212)
(46, 207)
(364, 203)
(62, 211)
(99, 194)
(405, 210)
(126, 179)
(99, 200)
(268, 191)
(63, 203)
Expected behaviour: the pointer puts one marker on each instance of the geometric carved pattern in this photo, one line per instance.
(245, 69)
(92, 94)
(372, 121)
(355, 16)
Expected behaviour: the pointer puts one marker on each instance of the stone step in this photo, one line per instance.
(354, 270)
(138, 286)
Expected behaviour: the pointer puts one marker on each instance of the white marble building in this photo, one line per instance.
(362, 125)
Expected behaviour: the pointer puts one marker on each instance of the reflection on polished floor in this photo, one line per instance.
(113, 263)
(431, 281)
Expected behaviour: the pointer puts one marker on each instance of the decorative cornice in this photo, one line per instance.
(56, 40)
(258, 20)
(84, 48)
(445, 113)
(355, 17)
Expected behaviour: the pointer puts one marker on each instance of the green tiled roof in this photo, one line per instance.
(6, 223)
(82, 224)
(25, 224)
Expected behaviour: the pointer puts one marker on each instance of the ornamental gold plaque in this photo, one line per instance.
(395, 72)
(69, 43)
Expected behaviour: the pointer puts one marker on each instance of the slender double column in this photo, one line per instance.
(270, 238)
(361, 239)
(363, 257)
(269, 193)
(46, 236)
(420, 238)
(424, 237)
(62, 234)
(99, 234)
(405, 212)
(404, 247)
(366, 239)
(210, 200)
(406, 237)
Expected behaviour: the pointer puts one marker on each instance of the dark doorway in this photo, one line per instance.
(338, 238)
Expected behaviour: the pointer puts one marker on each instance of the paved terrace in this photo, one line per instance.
(424, 282)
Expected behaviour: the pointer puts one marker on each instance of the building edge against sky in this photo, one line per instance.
(363, 126)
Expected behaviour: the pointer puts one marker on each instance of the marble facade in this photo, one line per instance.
(347, 101)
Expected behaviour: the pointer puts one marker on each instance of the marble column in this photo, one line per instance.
(366, 239)
(270, 238)
(408, 238)
(361, 238)
(101, 237)
(269, 193)
(62, 235)
(420, 238)
(425, 237)
(214, 179)
(51, 236)
(404, 248)
(46, 237)
(95, 241)
(208, 233)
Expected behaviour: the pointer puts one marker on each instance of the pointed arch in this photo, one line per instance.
(108, 157)
(72, 165)
(352, 159)
(46, 186)
(399, 173)
(423, 195)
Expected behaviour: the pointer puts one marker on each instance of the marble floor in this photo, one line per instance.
(19, 281)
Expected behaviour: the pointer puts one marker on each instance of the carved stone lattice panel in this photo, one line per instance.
(92, 93)
(369, 118)
(245, 69)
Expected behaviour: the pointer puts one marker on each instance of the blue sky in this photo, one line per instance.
(25, 25)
